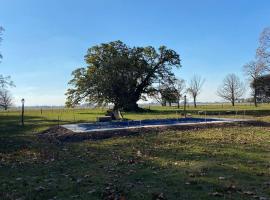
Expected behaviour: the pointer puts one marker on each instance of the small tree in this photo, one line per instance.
(179, 85)
(169, 94)
(231, 89)
(163, 94)
(5, 99)
(195, 87)
(254, 70)
(155, 94)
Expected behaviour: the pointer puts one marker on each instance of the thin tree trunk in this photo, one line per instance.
(194, 101)
(255, 97)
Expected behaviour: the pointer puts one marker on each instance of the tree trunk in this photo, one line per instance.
(194, 101)
(127, 103)
(233, 102)
(163, 103)
(132, 106)
(255, 97)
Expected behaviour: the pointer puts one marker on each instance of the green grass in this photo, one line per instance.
(217, 163)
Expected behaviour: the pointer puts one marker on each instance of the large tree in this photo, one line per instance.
(118, 74)
(195, 87)
(231, 89)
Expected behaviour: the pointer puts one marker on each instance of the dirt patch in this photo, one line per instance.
(61, 134)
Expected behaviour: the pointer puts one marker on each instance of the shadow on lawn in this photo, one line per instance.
(198, 176)
(14, 136)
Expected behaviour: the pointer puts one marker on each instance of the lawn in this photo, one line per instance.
(216, 163)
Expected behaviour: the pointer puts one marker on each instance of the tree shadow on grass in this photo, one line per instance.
(14, 136)
(190, 173)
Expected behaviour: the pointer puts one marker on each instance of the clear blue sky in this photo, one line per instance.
(45, 40)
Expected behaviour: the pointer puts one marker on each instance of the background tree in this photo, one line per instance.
(163, 94)
(231, 89)
(5, 99)
(120, 74)
(254, 70)
(263, 51)
(195, 87)
(180, 86)
(166, 93)
(169, 95)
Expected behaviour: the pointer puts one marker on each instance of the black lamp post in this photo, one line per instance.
(22, 111)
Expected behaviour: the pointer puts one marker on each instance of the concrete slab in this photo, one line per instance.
(125, 125)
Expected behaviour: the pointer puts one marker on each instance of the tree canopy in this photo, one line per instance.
(119, 74)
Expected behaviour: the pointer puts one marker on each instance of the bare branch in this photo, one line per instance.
(195, 87)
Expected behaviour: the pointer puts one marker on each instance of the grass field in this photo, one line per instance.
(217, 163)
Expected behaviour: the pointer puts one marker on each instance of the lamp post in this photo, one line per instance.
(22, 111)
